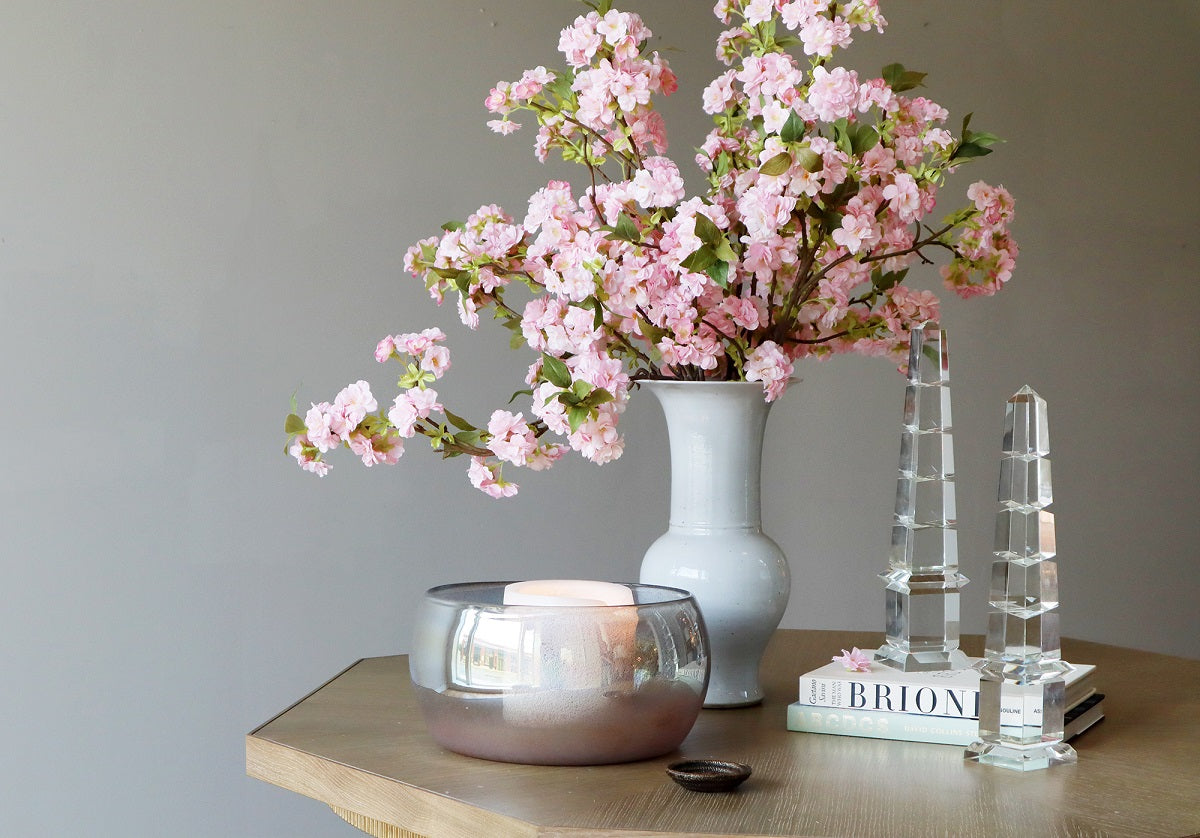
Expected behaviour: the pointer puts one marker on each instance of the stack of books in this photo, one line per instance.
(941, 707)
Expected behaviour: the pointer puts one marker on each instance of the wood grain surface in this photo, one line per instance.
(359, 745)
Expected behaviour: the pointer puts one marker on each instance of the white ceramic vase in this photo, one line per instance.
(715, 546)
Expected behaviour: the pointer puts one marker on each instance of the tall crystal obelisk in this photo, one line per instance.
(1022, 658)
(922, 578)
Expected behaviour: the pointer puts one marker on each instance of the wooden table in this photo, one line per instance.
(359, 745)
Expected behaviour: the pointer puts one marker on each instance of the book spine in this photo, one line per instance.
(907, 727)
(924, 700)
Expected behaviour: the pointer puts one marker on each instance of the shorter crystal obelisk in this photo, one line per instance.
(1022, 658)
(922, 580)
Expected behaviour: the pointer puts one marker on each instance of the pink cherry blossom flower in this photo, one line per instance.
(410, 407)
(385, 349)
(904, 197)
(436, 359)
(597, 439)
(857, 232)
(499, 99)
(486, 478)
(876, 93)
(531, 83)
(767, 363)
(799, 12)
(580, 41)
(512, 440)
(307, 456)
(324, 427)
(833, 94)
(759, 11)
(376, 449)
(719, 94)
(545, 456)
(821, 36)
(658, 183)
(855, 660)
(403, 416)
(503, 126)
(354, 403)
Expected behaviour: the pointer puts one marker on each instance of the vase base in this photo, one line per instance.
(729, 696)
(737, 705)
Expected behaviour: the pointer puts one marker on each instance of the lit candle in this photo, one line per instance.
(577, 592)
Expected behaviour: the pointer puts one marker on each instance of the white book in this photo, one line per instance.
(908, 727)
(951, 693)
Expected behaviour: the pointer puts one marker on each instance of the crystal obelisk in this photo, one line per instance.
(922, 579)
(1022, 658)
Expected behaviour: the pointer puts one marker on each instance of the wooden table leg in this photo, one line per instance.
(378, 829)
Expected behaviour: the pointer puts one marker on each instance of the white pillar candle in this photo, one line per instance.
(577, 592)
(574, 653)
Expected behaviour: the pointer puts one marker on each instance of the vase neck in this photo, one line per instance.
(716, 435)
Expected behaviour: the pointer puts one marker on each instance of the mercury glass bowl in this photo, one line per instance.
(555, 684)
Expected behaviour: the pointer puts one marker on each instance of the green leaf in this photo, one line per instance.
(968, 150)
(718, 272)
(725, 252)
(458, 422)
(513, 398)
(470, 437)
(777, 165)
(982, 138)
(699, 261)
(841, 136)
(294, 425)
(463, 282)
(652, 333)
(560, 88)
(597, 397)
(576, 416)
(793, 129)
(883, 280)
(707, 231)
(627, 230)
(555, 371)
(581, 389)
(863, 138)
(516, 341)
(809, 160)
(900, 79)
(451, 226)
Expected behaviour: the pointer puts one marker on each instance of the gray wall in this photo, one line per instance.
(203, 208)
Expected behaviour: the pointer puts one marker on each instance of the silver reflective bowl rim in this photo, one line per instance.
(458, 593)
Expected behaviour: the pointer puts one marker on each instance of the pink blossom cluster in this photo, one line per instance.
(329, 425)
(821, 182)
(984, 245)
(609, 96)
(425, 347)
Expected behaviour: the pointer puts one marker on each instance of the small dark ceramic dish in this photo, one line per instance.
(708, 774)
